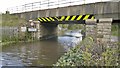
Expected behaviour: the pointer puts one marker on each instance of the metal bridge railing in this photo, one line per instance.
(48, 4)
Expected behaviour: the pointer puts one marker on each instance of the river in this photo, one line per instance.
(39, 53)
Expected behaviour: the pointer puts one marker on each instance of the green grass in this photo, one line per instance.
(115, 33)
(115, 30)
(11, 20)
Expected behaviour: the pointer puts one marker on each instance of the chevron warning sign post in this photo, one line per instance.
(65, 18)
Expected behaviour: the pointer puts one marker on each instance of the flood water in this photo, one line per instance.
(40, 53)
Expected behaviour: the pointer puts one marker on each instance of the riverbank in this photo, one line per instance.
(13, 42)
(7, 43)
(85, 54)
(11, 20)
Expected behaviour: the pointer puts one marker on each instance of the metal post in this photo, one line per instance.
(48, 3)
(40, 5)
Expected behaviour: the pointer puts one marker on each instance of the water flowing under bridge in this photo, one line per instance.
(97, 16)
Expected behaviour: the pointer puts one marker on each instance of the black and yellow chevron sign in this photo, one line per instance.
(66, 18)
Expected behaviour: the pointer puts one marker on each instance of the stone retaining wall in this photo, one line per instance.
(99, 31)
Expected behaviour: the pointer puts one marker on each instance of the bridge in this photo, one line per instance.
(98, 18)
(98, 9)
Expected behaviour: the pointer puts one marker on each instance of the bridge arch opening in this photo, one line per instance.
(49, 25)
(99, 30)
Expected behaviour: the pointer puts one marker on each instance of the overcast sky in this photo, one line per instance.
(4, 4)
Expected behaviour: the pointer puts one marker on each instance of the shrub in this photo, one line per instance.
(84, 55)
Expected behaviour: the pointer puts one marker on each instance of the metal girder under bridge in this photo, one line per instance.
(76, 19)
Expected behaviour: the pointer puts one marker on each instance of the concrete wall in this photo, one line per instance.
(51, 12)
(63, 11)
(42, 13)
(100, 10)
(34, 14)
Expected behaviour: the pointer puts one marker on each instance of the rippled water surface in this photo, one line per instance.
(38, 53)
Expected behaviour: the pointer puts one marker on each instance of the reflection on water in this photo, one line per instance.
(68, 41)
(38, 53)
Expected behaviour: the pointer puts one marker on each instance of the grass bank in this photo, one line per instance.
(115, 29)
(87, 54)
(11, 20)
